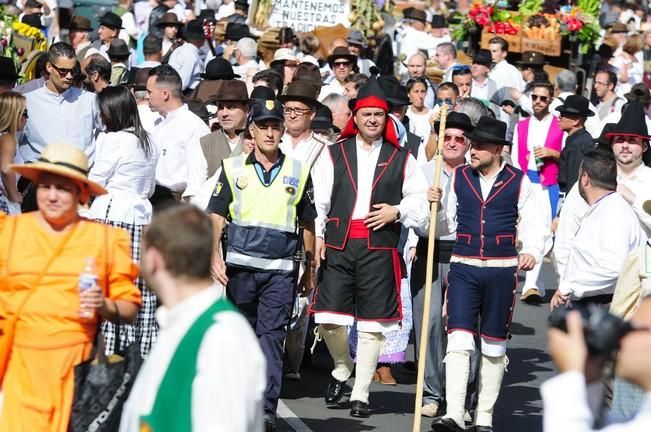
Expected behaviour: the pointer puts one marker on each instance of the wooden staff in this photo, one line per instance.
(424, 332)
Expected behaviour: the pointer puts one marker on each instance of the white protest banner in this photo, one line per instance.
(305, 15)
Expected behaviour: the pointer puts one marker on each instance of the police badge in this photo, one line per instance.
(242, 182)
(270, 104)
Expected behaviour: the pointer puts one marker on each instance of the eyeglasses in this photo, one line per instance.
(456, 139)
(63, 72)
(298, 111)
(601, 83)
(341, 64)
(448, 101)
(535, 97)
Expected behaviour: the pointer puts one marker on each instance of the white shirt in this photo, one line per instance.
(608, 233)
(333, 86)
(532, 231)
(225, 10)
(414, 208)
(506, 75)
(592, 124)
(565, 402)
(187, 62)
(179, 132)
(92, 50)
(612, 105)
(149, 64)
(129, 176)
(227, 391)
(70, 117)
(309, 151)
(414, 40)
(419, 124)
(538, 130)
(247, 70)
(613, 117)
(480, 91)
(129, 27)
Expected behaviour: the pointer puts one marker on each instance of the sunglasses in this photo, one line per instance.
(341, 64)
(448, 102)
(535, 97)
(460, 68)
(63, 72)
(456, 139)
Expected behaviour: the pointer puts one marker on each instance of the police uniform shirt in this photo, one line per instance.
(223, 196)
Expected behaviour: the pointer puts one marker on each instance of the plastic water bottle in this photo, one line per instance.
(87, 280)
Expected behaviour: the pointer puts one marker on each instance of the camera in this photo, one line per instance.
(603, 331)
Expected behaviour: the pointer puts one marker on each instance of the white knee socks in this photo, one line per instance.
(491, 373)
(368, 351)
(457, 369)
(337, 342)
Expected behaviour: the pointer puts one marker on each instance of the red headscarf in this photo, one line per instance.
(389, 134)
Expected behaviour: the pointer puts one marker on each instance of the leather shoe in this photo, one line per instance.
(483, 429)
(334, 392)
(445, 424)
(359, 409)
(383, 376)
(531, 296)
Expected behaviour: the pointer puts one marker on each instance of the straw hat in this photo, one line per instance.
(64, 160)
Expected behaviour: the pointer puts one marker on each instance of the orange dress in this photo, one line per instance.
(50, 337)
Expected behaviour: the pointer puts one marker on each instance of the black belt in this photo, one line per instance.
(601, 299)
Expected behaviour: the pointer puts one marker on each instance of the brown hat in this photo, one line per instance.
(301, 91)
(79, 23)
(232, 91)
(169, 19)
(309, 73)
(64, 160)
(619, 28)
(639, 91)
(532, 58)
(415, 14)
(341, 53)
(140, 77)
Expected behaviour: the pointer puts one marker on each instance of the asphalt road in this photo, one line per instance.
(518, 408)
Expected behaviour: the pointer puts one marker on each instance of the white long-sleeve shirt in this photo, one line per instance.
(565, 401)
(506, 75)
(532, 230)
(129, 176)
(609, 231)
(414, 209)
(175, 135)
(227, 391)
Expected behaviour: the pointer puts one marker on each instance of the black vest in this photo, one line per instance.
(387, 188)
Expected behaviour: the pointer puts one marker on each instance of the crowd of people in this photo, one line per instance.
(232, 193)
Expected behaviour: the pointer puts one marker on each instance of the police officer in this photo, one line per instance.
(264, 195)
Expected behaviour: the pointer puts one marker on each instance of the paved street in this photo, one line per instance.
(518, 409)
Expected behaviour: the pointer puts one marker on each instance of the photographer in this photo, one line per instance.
(566, 396)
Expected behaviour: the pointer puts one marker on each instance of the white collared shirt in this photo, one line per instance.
(532, 230)
(71, 117)
(414, 209)
(175, 136)
(419, 124)
(414, 40)
(148, 118)
(480, 91)
(129, 176)
(537, 136)
(188, 63)
(565, 402)
(309, 151)
(333, 86)
(506, 75)
(227, 391)
(609, 231)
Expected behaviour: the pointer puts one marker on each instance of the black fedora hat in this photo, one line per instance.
(138, 78)
(193, 30)
(438, 21)
(483, 57)
(489, 131)
(111, 20)
(415, 14)
(236, 31)
(300, 91)
(632, 123)
(396, 93)
(341, 53)
(323, 119)
(262, 93)
(168, 20)
(232, 91)
(219, 68)
(79, 23)
(577, 105)
(207, 15)
(8, 69)
(602, 140)
(532, 58)
(456, 120)
(118, 48)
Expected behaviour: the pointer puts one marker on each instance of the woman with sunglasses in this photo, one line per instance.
(125, 165)
(13, 116)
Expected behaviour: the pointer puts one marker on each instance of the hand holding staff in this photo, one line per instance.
(424, 333)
